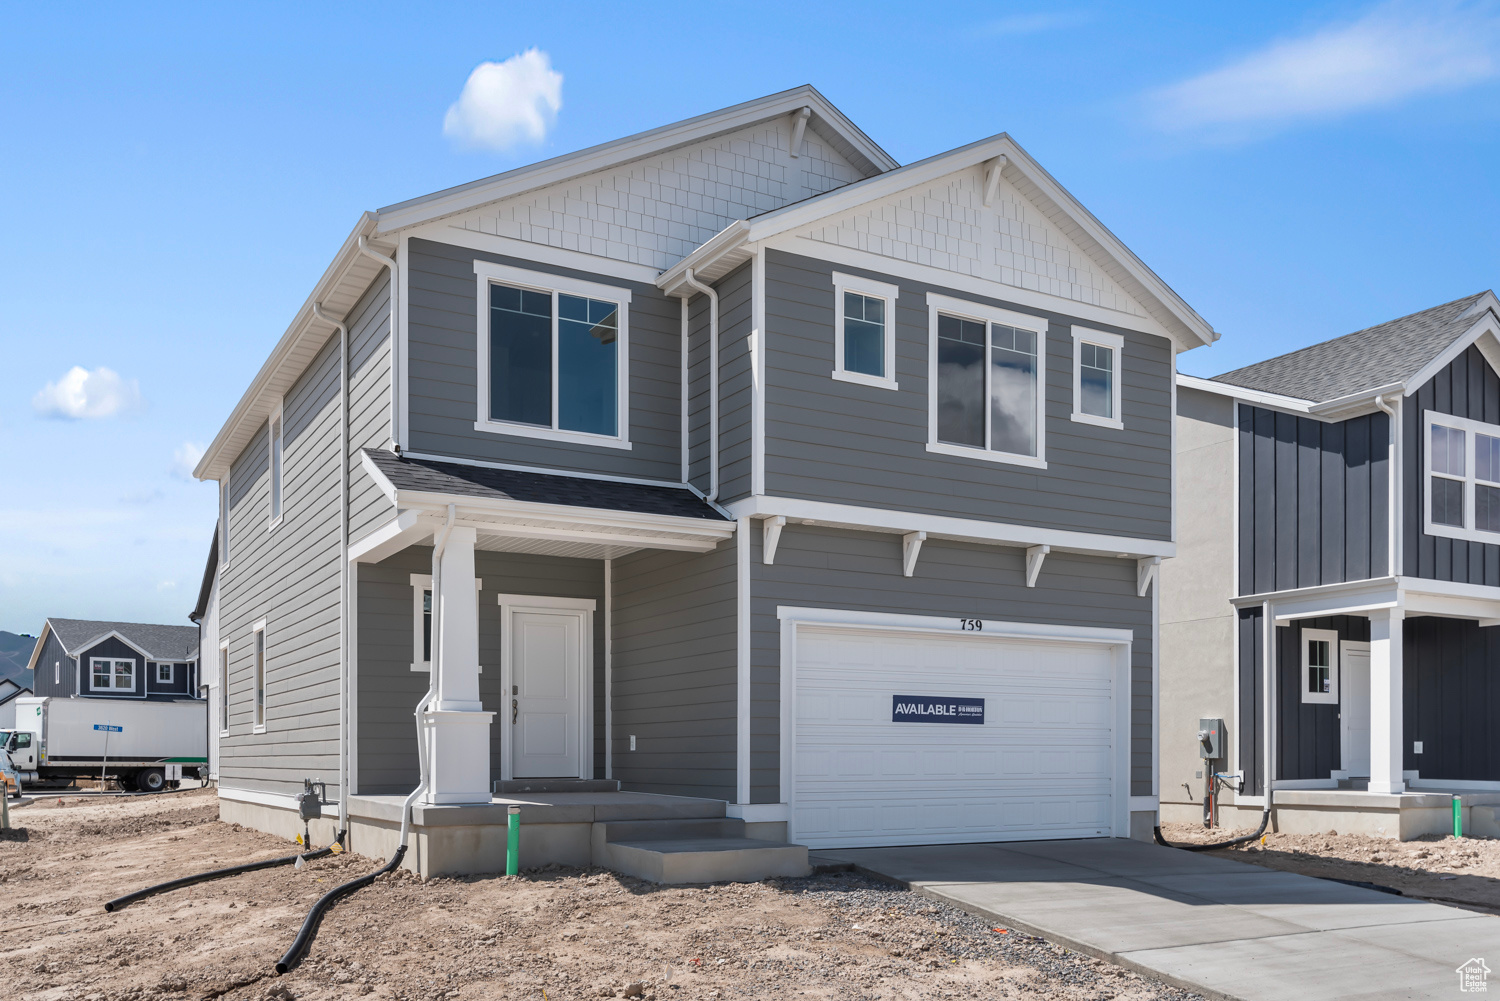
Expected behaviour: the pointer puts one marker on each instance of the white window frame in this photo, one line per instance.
(224, 522)
(843, 283)
(1470, 428)
(1331, 637)
(985, 314)
(487, 273)
(260, 656)
(276, 467)
(421, 583)
(114, 674)
(224, 689)
(1116, 344)
(171, 673)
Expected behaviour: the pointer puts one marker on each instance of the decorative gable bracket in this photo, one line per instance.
(911, 546)
(1034, 557)
(770, 538)
(1146, 571)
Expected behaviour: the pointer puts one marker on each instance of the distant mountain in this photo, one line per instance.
(15, 654)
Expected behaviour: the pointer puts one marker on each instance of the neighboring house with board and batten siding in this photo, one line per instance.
(686, 459)
(1338, 580)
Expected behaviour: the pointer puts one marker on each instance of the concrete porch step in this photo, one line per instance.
(511, 786)
(705, 859)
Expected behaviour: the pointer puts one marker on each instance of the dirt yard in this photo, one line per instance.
(550, 934)
(1462, 871)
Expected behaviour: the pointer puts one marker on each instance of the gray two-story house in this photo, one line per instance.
(730, 463)
(1337, 583)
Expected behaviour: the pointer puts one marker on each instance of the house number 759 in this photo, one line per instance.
(971, 625)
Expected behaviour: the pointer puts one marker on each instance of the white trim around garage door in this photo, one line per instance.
(791, 617)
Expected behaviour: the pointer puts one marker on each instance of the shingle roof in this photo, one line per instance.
(166, 642)
(461, 480)
(1386, 353)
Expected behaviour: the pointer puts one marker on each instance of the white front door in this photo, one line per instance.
(1354, 710)
(548, 650)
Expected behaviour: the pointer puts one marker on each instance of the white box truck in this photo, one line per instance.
(141, 744)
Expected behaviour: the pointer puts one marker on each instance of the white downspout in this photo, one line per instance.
(344, 628)
(423, 766)
(684, 417)
(713, 382)
(1393, 562)
(364, 248)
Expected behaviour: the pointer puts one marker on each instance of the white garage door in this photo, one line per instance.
(1040, 765)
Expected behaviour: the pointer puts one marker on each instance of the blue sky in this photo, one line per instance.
(175, 178)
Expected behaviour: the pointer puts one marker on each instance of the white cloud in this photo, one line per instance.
(1397, 50)
(81, 394)
(166, 585)
(185, 459)
(1031, 24)
(504, 104)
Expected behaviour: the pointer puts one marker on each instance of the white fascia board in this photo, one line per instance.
(1272, 400)
(407, 528)
(1485, 324)
(560, 169)
(1339, 408)
(282, 368)
(1358, 597)
(36, 651)
(541, 253)
(1354, 404)
(944, 527)
(728, 247)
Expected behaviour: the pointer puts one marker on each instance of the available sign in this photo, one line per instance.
(930, 709)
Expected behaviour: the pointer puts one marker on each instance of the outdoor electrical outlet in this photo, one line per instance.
(632, 741)
(1416, 747)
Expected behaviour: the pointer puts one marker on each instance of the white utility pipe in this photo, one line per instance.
(396, 430)
(684, 382)
(423, 765)
(343, 565)
(713, 382)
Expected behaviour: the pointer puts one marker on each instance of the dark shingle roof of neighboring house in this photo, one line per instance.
(455, 478)
(166, 642)
(10, 690)
(1381, 355)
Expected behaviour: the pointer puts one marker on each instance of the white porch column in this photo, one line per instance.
(1386, 739)
(458, 728)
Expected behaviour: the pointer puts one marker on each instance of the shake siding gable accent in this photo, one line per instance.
(389, 689)
(1313, 500)
(1468, 387)
(442, 372)
(828, 568)
(369, 403)
(847, 443)
(290, 578)
(674, 672)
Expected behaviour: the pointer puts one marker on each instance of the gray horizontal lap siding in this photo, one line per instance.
(289, 577)
(828, 568)
(369, 403)
(1467, 387)
(1313, 499)
(389, 690)
(1452, 699)
(53, 662)
(736, 383)
(674, 671)
(442, 373)
(835, 441)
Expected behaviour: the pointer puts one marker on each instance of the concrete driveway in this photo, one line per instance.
(1227, 929)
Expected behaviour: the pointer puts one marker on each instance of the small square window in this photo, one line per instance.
(864, 336)
(1320, 666)
(1096, 377)
(163, 674)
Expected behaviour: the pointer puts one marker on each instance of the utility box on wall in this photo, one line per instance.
(1210, 739)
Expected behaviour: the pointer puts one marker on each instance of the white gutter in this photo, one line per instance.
(683, 425)
(692, 282)
(317, 309)
(364, 248)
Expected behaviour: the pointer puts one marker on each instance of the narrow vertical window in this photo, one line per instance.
(1012, 390)
(1486, 483)
(520, 355)
(1448, 454)
(224, 688)
(1096, 377)
(961, 378)
(864, 341)
(427, 626)
(277, 454)
(260, 676)
(587, 336)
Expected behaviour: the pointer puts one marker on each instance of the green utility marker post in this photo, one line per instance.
(513, 841)
(1458, 816)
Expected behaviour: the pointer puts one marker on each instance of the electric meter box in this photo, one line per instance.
(1210, 738)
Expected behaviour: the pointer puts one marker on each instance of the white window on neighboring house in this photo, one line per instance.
(864, 331)
(422, 619)
(163, 674)
(1096, 377)
(278, 456)
(1462, 478)
(258, 634)
(553, 357)
(57, 672)
(987, 367)
(111, 674)
(1320, 666)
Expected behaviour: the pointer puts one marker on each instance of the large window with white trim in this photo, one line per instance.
(111, 674)
(552, 357)
(987, 370)
(1462, 481)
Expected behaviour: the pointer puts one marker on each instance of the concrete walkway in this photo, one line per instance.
(1227, 929)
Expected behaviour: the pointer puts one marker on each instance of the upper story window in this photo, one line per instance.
(864, 335)
(553, 357)
(1096, 377)
(111, 674)
(1463, 478)
(278, 454)
(1320, 666)
(987, 367)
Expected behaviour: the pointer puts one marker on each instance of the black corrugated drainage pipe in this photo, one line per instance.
(310, 923)
(1265, 818)
(203, 877)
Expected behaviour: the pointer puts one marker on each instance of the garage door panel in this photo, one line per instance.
(1041, 764)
